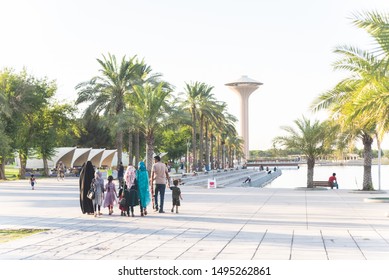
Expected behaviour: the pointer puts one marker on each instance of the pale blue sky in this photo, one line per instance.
(287, 45)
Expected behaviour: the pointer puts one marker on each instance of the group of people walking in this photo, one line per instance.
(134, 189)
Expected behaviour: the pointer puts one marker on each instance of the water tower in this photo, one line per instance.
(244, 87)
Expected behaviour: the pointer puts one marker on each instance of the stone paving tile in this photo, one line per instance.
(228, 223)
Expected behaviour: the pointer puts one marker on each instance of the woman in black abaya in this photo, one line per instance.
(86, 175)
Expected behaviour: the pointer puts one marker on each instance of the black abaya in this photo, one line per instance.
(86, 175)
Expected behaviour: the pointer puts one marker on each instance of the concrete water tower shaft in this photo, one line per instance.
(244, 87)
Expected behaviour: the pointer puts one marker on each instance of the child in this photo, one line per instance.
(176, 195)
(132, 198)
(122, 202)
(32, 181)
(110, 198)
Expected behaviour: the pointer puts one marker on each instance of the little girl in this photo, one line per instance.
(122, 203)
(110, 198)
(32, 181)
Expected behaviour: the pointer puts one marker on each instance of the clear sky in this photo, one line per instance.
(287, 45)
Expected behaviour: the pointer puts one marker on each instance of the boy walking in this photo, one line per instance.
(176, 195)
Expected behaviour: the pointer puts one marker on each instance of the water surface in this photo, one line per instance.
(349, 177)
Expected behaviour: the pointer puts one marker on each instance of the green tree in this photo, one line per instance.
(106, 92)
(359, 102)
(151, 110)
(5, 148)
(313, 139)
(48, 123)
(174, 141)
(24, 97)
(195, 94)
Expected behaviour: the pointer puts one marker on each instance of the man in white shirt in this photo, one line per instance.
(159, 176)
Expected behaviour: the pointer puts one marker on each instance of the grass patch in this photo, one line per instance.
(12, 234)
(11, 173)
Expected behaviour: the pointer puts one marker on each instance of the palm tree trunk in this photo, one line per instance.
(149, 151)
(379, 162)
(137, 147)
(201, 139)
(207, 156)
(367, 159)
(310, 168)
(194, 132)
(218, 153)
(119, 145)
(211, 151)
(130, 145)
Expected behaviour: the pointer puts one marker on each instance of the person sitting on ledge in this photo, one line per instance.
(248, 180)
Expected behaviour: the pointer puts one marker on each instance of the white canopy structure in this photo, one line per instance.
(81, 156)
(75, 157)
(95, 156)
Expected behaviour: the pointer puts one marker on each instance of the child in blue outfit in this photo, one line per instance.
(32, 181)
(176, 195)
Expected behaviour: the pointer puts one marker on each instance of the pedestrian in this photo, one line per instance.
(32, 182)
(60, 170)
(142, 179)
(159, 176)
(248, 180)
(111, 195)
(98, 186)
(333, 181)
(120, 170)
(131, 189)
(87, 174)
(122, 202)
(176, 195)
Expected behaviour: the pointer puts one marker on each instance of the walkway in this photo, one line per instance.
(239, 223)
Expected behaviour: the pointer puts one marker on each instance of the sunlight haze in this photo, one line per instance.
(286, 45)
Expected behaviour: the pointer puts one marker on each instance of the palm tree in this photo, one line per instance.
(359, 102)
(151, 111)
(144, 75)
(311, 138)
(106, 92)
(206, 107)
(194, 93)
(377, 25)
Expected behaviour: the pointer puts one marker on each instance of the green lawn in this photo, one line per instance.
(11, 234)
(11, 173)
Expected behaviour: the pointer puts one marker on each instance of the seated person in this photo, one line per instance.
(332, 181)
(248, 180)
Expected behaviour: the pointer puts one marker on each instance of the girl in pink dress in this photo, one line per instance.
(111, 195)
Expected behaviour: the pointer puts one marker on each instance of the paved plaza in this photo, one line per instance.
(229, 223)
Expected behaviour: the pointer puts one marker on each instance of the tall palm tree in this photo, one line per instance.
(144, 75)
(311, 138)
(206, 106)
(359, 102)
(193, 96)
(377, 25)
(151, 111)
(106, 92)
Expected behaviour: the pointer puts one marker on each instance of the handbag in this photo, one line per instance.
(91, 194)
